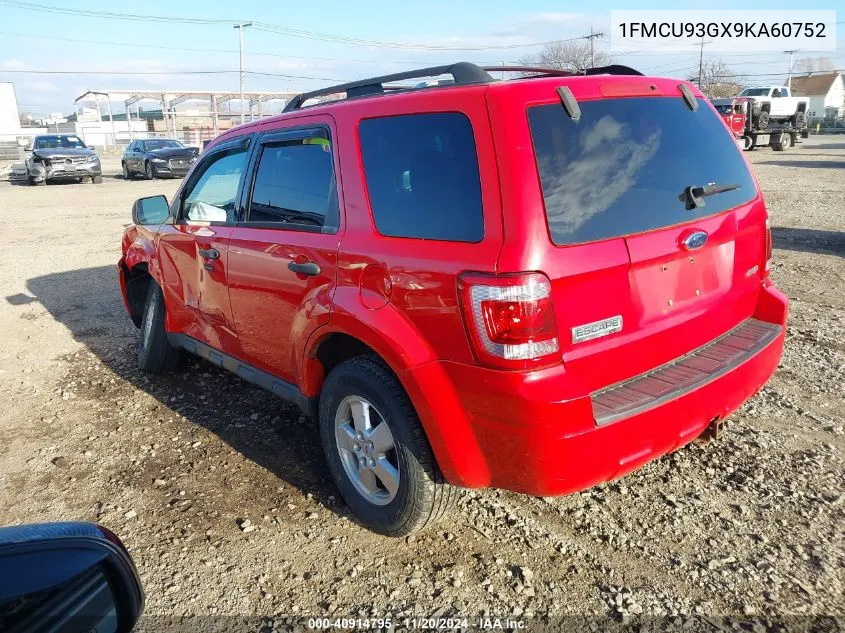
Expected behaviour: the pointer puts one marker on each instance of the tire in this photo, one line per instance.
(127, 175)
(763, 120)
(97, 180)
(748, 143)
(784, 144)
(421, 496)
(35, 183)
(150, 171)
(155, 354)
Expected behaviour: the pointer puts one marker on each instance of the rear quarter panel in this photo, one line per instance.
(413, 281)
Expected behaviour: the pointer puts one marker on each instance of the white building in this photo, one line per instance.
(826, 92)
(10, 119)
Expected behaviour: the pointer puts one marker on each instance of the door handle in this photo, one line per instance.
(308, 268)
(209, 253)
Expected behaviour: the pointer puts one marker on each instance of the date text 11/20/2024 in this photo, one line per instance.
(432, 624)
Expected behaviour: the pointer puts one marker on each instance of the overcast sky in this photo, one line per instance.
(33, 38)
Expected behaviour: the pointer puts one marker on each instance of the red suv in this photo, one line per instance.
(537, 284)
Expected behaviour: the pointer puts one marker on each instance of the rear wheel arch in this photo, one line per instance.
(337, 347)
(355, 334)
(454, 445)
(330, 349)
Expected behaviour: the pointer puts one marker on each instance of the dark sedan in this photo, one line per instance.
(157, 158)
(61, 157)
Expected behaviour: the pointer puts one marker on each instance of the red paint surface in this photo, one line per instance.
(531, 431)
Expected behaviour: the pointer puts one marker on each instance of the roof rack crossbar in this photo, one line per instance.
(462, 72)
(613, 69)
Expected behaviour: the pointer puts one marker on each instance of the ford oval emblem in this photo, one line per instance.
(695, 240)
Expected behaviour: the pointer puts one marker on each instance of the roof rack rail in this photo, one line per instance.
(613, 69)
(532, 69)
(462, 72)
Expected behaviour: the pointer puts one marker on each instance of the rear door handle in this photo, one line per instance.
(308, 268)
(209, 253)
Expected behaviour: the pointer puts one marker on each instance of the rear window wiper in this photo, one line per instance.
(694, 195)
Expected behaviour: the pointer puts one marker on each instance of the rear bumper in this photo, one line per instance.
(525, 440)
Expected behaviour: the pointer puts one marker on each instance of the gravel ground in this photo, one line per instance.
(218, 489)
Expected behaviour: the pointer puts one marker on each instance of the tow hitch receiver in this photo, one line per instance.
(713, 430)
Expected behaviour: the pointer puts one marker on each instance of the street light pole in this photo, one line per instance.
(789, 76)
(241, 26)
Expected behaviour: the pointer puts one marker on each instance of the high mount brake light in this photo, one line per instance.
(511, 319)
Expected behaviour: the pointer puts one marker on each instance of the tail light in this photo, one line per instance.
(768, 264)
(510, 319)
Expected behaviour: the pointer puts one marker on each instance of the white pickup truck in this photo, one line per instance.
(774, 103)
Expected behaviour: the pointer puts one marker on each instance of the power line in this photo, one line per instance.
(164, 72)
(209, 50)
(28, 6)
(832, 70)
(280, 30)
(267, 28)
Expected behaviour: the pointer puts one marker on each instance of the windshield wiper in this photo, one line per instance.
(694, 195)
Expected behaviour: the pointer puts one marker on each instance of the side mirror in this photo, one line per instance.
(91, 147)
(152, 210)
(67, 577)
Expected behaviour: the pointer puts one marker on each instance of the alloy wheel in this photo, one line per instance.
(367, 450)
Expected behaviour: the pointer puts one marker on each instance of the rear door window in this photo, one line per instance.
(422, 176)
(295, 185)
(623, 167)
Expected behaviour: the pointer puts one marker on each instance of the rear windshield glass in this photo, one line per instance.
(623, 167)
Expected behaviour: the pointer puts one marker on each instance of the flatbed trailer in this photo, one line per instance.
(751, 129)
(779, 137)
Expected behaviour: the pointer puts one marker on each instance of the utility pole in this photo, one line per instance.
(789, 76)
(701, 62)
(241, 26)
(591, 37)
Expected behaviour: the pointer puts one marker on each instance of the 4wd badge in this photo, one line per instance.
(596, 329)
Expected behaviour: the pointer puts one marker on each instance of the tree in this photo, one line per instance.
(572, 55)
(814, 65)
(717, 81)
